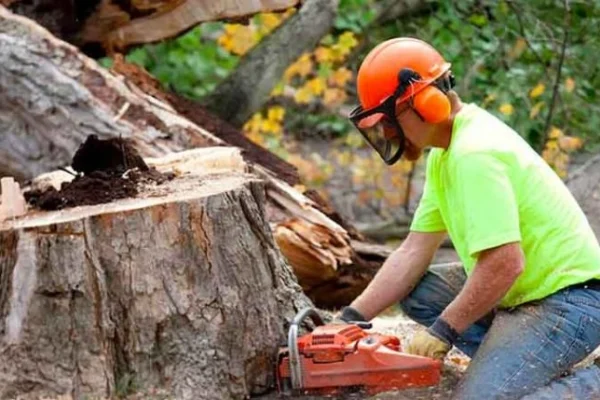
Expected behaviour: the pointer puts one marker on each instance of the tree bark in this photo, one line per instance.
(389, 10)
(584, 183)
(52, 97)
(248, 87)
(118, 25)
(181, 289)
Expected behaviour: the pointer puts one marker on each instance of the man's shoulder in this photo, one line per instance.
(481, 133)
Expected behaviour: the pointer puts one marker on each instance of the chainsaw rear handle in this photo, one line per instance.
(294, 354)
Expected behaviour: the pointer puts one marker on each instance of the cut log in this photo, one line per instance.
(117, 25)
(182, 289)
(52, 97)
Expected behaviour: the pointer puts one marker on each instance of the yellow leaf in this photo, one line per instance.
(569, 84)
(270, 20)
(347, 40)
(537, 90)
(238, 38)
(274, 127)
(547, 155)
(554, 133)
(256, 137)
(276, 113)
(316, 86)
(342, 48)
(323, 55)
(506, 109)
(303, 95)
(535, 110)
(570, 143)
(226, 42)
(334, 97)
(254, 124)
(340, 76)
(301, 67)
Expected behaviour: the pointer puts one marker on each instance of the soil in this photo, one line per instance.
(108, 170)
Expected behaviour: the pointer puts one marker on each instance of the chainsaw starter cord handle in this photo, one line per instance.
(443, 331)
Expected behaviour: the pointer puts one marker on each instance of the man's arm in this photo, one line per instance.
(496, 271)
(399, 273)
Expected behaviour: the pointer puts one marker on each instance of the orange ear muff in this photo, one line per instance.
(432, 104)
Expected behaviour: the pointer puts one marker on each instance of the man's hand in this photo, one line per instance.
(435, 342)
(425, 344)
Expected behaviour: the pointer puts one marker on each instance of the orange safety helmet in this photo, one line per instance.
(396, 71)
(378, 77)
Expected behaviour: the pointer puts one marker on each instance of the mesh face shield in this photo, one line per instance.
(381, 130)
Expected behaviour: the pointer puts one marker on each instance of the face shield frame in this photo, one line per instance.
(390, 149)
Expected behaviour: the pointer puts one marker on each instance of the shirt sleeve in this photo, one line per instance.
(487, 201)
(427, 216)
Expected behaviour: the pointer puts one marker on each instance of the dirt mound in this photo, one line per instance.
(108, 170)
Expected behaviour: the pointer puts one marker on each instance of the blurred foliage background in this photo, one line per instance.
(532, 63)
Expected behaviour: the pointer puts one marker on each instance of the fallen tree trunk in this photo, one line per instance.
(52, 97)
(117, 25)
(180, 289)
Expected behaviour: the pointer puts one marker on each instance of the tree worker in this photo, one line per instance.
(525, 304)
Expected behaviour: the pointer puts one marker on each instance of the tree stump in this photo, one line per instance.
(181, 288)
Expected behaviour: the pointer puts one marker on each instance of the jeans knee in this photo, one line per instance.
(419, 309)
(428, 299)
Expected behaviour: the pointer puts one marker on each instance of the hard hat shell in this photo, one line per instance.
(377, 76)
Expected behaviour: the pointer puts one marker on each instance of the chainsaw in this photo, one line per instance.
(335, 359)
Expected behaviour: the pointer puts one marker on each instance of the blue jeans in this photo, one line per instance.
(521, 353)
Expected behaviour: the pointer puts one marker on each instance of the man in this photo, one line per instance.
(526, 305)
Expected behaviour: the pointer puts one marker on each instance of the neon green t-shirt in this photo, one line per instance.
(490, 188)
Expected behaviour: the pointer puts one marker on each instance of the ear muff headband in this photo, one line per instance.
(431, 103)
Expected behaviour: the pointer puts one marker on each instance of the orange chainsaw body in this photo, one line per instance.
(334, 357)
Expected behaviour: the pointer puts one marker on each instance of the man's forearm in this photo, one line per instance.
(491, 279)
(398, 274)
